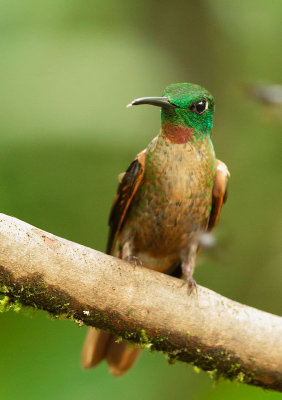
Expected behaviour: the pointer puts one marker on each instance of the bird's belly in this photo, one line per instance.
(169, 229)
(165, 220)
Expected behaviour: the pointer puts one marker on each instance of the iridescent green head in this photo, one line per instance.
(184, 105)
(194, 107)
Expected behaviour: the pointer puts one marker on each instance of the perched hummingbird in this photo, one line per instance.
(169, 196)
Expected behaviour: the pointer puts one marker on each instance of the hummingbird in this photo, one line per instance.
(171, 194)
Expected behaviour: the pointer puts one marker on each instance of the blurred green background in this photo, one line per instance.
(67, 70)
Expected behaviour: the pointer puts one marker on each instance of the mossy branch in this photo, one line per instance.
(212, 332)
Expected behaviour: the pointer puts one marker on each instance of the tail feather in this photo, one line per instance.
(94, 348)
(101, 345)
(120, 356)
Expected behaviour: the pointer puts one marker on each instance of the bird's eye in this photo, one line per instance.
(199, 107)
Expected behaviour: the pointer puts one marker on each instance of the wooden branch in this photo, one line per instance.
(205, 329)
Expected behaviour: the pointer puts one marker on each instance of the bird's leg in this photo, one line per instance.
(188, 267)
(127, 255)
(187, 270)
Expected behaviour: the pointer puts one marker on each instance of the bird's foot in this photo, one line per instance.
(133, 260)
(191, 285)
(187, 270)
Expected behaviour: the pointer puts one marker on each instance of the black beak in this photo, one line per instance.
(153, 101)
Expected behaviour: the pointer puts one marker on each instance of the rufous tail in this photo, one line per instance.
(100, 345)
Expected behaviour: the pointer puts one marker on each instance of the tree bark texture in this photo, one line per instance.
(206, 329)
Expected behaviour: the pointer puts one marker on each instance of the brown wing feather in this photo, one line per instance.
(130, 182)
(219, 193)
